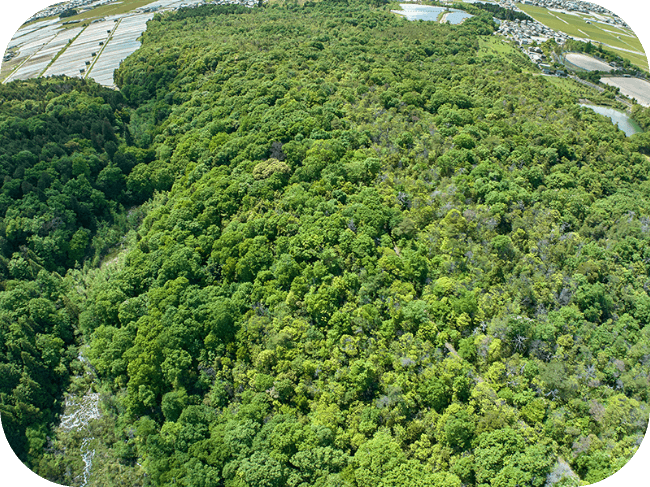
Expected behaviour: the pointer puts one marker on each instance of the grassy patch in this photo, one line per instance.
(545, 17)
(576, 26)
(8, 67)
(494, 49)
(617, 30)
(42, 19)
(495, 45)
(639, 60)
(572, 86)
(576, 89)
(583, 92)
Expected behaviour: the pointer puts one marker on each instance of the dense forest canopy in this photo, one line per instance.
(322, 245)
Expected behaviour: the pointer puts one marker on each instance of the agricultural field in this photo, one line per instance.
(92, 46)
(623, 41)
(39, 62)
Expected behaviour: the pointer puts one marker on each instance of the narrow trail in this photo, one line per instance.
(101, 51)
(618, 34)
(561, 20)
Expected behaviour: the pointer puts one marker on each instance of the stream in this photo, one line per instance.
(79, 411)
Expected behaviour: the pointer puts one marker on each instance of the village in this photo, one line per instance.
(245, 3)
(525, 32)
(79, 5)
(586, 8)
(528, 34)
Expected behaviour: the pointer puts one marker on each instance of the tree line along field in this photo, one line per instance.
(622, 41)
(351, 250)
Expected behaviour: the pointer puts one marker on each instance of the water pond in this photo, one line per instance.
(427, 12)
(624, 122)
(456, 17)
(420, 12)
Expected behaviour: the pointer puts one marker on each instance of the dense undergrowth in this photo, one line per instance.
(380, 253)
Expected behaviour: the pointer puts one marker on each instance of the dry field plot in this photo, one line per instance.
(631, 87)
(587, 62)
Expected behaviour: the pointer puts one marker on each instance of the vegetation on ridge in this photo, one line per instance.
(379, 252)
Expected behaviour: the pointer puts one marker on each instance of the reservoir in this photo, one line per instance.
(434, 14)
(624, 122)
(420, 12)
(455, 17)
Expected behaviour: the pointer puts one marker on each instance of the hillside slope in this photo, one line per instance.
(380, 253)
